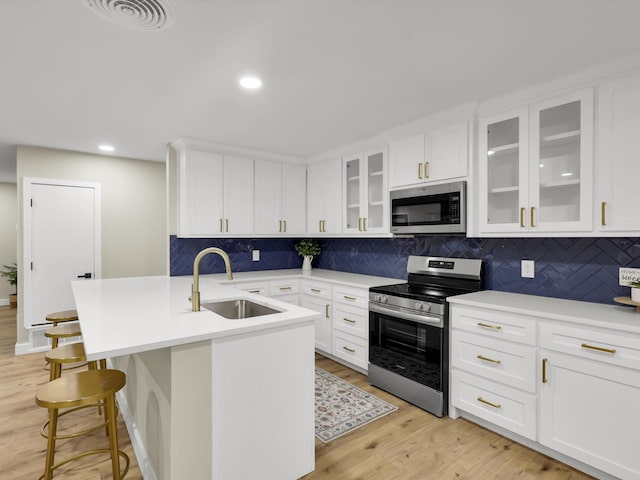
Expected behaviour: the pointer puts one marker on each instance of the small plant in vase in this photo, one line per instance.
(11, 274)
(307, 249)
(635, 290)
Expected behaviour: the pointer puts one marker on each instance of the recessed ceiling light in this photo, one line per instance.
(251, 83)
(106, 148)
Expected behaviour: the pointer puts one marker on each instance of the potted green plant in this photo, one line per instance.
(11, 274)
(307, 249)
(635, 290)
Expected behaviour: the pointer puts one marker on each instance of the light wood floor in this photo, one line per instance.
(409, 444)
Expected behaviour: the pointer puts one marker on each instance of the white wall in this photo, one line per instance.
(8, 234)
(134, 232)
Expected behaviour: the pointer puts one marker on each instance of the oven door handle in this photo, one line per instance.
(423, 319)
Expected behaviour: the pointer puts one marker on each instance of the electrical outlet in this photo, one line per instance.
(628, 275)
(527, 269)
(256, 255)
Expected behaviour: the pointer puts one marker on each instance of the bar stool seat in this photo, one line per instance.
(62, 331)
(61, 317)
(77, 390)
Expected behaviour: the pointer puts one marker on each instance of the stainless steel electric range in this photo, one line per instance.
(409, 329)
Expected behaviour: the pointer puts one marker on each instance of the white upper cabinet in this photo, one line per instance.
(618, 165)
(324, 198)
(215, 194)
(280, 198)
(536, 167)
(366, 201)
(438, 155)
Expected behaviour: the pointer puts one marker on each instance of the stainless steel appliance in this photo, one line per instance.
(429, 209)
(409, 329)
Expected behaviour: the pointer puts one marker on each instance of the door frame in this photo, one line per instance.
(27, 183)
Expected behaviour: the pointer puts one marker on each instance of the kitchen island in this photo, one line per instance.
(206, 397)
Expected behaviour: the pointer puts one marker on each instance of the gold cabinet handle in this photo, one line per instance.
(364, 224)
(599, 349)
(603, 211)
(522, 217)
(533, 210)
(315, 290)
(426, 170)
(280, 226)
(326, 311)
(487, 402)
(544, 370)
(360, 224)
(351, 350)
(420, 171)
(221, 227)
(348, 320)
(284, 289)
(487, 359)
(320, 225)
(486, 325)
(347, 297)
(226, 224)
(284, 223)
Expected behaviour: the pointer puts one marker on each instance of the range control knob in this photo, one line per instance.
(418, 306)
(427, 306)
(377, 297)
(384, 298)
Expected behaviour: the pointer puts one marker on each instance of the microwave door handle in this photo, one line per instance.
(412, 317)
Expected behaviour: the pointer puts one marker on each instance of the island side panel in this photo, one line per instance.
(263, 404)
(191, 410)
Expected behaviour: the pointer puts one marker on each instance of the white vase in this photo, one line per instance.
(306, 264)
(635, 294)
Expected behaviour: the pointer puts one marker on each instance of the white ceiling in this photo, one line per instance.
(334, 72)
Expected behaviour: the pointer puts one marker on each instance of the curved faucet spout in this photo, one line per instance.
(195, 289)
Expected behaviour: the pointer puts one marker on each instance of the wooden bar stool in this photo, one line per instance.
(77, 390)
(62, 331)
(61, 317)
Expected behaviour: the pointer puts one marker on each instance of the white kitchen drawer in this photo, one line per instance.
(621, 350)
(284, 287)
(353, 320)
(351, 296)
(251, 287)
(292, 298)
(510, 363)
(316, 289)
(351, 349)
(504, 406)
(507, 326)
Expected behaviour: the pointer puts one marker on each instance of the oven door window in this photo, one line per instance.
(425, 210)
(407, 348)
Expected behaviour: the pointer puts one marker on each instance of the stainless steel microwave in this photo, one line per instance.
(429, 209)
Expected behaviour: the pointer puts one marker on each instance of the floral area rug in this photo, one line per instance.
(342, 407)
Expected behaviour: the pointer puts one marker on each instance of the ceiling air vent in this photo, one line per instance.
(134, 14)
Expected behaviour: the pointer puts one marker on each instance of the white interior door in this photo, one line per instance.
(62, 244)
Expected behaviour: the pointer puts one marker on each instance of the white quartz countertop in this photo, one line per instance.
(344, 278)
(612, 317)
(130, 315)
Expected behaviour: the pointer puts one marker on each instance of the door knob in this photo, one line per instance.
(86, 275)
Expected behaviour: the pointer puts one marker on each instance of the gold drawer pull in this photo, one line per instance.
(254, 291)
(486, 325)
(599, 349)
(544, 370)
(347, 297)
(487, 402)
(348, 320)
(326, 311)
(487, 359)
(349, 349)
(315, 290)
(284, 289)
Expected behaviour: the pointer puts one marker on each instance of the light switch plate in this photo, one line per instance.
(256, 255)
(527, 269)
(628, 275)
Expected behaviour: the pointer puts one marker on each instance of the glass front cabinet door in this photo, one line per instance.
(536, 167)
(366, 205)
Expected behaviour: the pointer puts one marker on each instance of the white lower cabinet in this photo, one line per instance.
(351, 325)
(317, 296)
(566, 387)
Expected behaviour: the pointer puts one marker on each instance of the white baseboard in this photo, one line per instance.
(25, 348)
(4, 301)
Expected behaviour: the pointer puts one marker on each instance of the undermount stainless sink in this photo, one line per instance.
(237, 309)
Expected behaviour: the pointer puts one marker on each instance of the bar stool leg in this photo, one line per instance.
(51, 443)
(113, 435)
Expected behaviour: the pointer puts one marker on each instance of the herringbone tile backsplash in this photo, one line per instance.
(574, 268)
